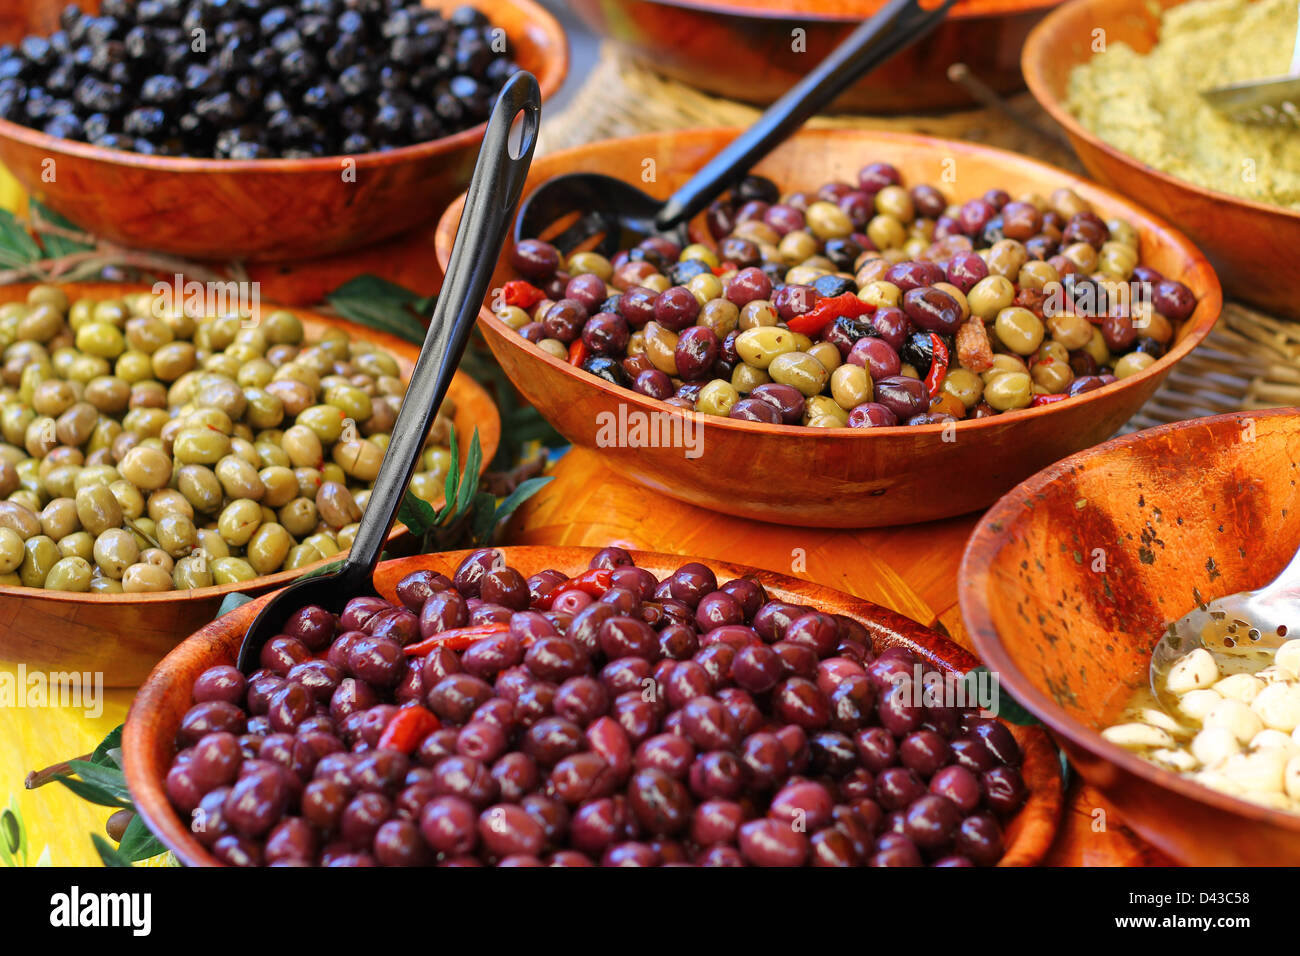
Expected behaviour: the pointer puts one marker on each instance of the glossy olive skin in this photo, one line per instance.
(778, 735)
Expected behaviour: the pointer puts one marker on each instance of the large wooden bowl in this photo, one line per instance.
(840, 477)
(1167, 517)
(1251, 244)
(274, 209)
(148, 742)
(122, 636)
(755, 50)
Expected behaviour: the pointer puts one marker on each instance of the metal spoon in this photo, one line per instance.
(1271, 102)
(498, 180)
(1265, 618)
(609, 207)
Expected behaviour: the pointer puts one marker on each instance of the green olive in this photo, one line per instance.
(40, 555)
(758, 347)
(716, 398)
(299, 516)
(238, 521)
(69, 574)
(159, 558)
(1071, 330)
(301, 555)
(239, 478)
(965, 386)
(128, 498)
(359, 459)
(211, 543)
(177, 535)
(231, 570)
(346, 535)
(173, 360)
(661, 347)
(101, 339)
(146, 468)
(1008, 391)
(823, 406)
(851, 385)
(115, 550)
(799, 370)
(200, 487)
(336, 505)
(324, 543)
(59, 518)
(78, 544)
(11, 550)
(98, 509)
(352, 401)
(745, 378)
(268, 548)
(280, 484)
(990, 296)
(191, 572)
(827, 220)
(325, 420)
(1133, 363)
(1019, 330)
(303, 446)
(143, 578)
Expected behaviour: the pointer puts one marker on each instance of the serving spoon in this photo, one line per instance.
(611, 208)
(1274, 101)
(1265, 618)
(493, 193)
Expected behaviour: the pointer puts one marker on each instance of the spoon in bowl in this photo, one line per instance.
(494, 191)
(1274, 101)
(1247, 620)
(609, 207)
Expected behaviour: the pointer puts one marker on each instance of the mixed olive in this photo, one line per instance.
(861, 304)
(607, 718)
(143, 448)
(256, 79)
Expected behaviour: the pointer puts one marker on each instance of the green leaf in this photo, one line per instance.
(323, 569)
(380, 304)
(469, 476)
(231, 601)
(522, 493)
(56, 246)
(113, 741)
(15, 238)
(94, 793)
(417, 514)
(138, 842)
(106, 852)
(453, 478)
(109, 779)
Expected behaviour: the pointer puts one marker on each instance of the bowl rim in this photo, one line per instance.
(935, 649)
(549, 79)
(1195, 328)
(974, 573)
(809, 10)
(489, 439)
(1033, 59)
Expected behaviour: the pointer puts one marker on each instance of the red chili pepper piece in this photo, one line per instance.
(578, 352)
(938, 365)
(458, 638)
(724, 268)
(406, 728)
(814, 321)
(594, 582)
(521, 293)
(1038, 400)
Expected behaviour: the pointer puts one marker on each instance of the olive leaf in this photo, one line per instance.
(56, 245)
(328, 568)
(231, 601)
(138, 842)
(110, 856)
(97, 783)
(102, 755)
(379, 304)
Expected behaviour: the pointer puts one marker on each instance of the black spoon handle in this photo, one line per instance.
(897, 25)
(489, 208)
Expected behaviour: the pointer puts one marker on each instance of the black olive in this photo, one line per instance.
(992, 231)
(756, 187)
(842, 252)
(144, 121)
(918, 352)
(831, 285)
(686, 270)
(1150, 346)
(610, 304)
(65, 126)
(610, 369)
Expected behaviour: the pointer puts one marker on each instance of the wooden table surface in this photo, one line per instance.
(912, 570)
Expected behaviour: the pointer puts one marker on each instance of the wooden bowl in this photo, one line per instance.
(746, 49)
(122, 636)
(271, 209)
(1251, 244)
(842, 477)
(148, 742)
(1168, 516)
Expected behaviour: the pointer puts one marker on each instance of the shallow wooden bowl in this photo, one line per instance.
(1252, 245)
(148, 742)
(749, 49)
(122, 636)
(266, 210)
(843, 477)
(1168, 517)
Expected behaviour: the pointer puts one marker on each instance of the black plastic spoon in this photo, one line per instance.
(493, 193)
(610, 208)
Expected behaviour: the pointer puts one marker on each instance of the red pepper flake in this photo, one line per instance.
(458, 638)
(578, 352)
(1039, 400)
(521, 293)
(843, 306)
(724, 268)
(407, 728)
(938, 364)
(594, 582)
